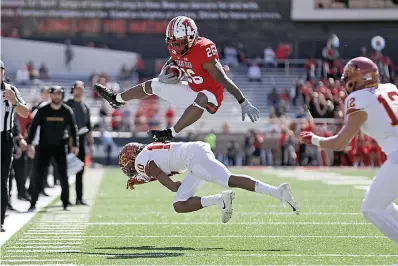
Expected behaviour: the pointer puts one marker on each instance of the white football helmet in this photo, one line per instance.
(181, 34)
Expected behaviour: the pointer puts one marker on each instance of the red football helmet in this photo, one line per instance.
(127, 158)
(181, 34)
(359, 73)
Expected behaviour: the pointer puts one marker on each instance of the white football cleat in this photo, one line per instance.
(226, 205)
(287, 199)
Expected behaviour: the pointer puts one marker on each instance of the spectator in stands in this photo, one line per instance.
(169, 117)
(14, 33)
(249, 138)
(273, 97)
(285, 96)
(141, 120)
(22, 77)
(231, 56)
(310, 69)
(126, 118)
(241, 54)
(68, 54)
(107, 142)
(281, 109)
(33, 73)
(300, 113)
(257, 145)
(116, 121)
(124, 73)
(364, 52)
(43, 71)
(225, 128)
(232, 152)
(254, 73)
(269, 57)
(288, 148)
(283, 51)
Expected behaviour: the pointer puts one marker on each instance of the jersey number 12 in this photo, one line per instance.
(382, 99)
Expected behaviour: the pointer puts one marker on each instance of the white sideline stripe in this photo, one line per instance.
(54, 233)
(45, 251)
(48, 247)
(37, 260)
(51, 239)
(52, 230)
(233, 223)
(230, 236)
(55, 243)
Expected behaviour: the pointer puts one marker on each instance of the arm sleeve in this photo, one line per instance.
(357, 101)
(35, 123)
(142, 163)
(18, 95)
(73, 127)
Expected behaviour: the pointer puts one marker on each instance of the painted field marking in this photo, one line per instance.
(232, 223)
(48, 247)
(45, 251)
(51, 239)
(230, 236)
(49, 243)
(55, 233)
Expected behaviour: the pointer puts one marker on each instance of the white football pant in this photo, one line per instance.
(378, 206)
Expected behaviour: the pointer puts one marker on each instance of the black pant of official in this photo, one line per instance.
(79, 175)
(20, 173)
(43, 155)
(7, 146)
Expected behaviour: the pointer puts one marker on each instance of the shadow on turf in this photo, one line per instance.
(148, 255)
(186, 249)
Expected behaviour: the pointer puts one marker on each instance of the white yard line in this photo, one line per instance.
(232, 223)
(230, 236)
(45, 251)
(330, 178)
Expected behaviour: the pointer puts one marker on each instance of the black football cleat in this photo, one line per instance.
(107, 94)
(161, 135)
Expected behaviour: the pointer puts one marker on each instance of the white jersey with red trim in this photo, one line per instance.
(381, 105)
(174, 157)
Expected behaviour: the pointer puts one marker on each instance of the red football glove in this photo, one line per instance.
(306, 137)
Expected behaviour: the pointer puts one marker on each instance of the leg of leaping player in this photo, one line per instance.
(198, 58)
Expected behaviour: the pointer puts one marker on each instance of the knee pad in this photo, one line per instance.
(143, 86)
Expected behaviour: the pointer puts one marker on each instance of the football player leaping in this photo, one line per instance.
(157, 161)
(373, 108)
(198, 58)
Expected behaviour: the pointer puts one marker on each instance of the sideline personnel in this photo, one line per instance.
(82, 115)
(53, 118)
(11, 103)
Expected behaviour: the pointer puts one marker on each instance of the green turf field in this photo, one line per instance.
(140, 227)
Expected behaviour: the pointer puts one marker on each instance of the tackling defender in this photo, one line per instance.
(157, 161)
(373, 108)
(198, 58)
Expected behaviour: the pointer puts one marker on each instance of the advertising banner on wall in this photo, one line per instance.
(124, 16)
(344, 10)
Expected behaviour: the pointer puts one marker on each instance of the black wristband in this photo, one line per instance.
(242, 101)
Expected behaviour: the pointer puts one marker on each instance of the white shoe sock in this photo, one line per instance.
(119, 98)
(210, 200)
(173, 132)
(267, 189)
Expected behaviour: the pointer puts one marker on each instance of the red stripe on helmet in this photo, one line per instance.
(172, 22)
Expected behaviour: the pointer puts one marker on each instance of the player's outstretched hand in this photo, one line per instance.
(107, 94)
(306, 137)
(248, 109)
